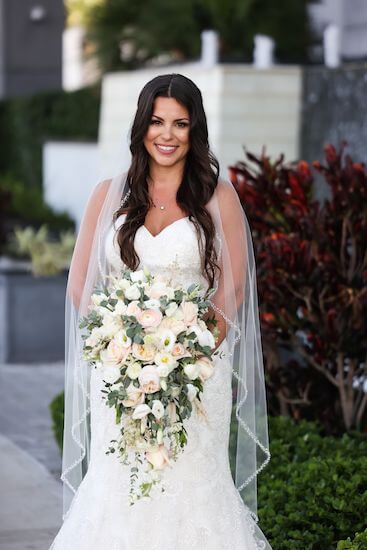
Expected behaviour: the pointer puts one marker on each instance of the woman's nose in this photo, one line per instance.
(167, 132)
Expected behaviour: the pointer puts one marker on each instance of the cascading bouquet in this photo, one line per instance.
(152, 334)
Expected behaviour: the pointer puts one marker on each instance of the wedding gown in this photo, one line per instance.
(201, 508)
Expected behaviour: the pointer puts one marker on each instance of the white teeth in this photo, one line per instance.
(166, 147)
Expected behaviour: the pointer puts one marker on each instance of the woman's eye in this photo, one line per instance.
(155, 121)
(182, 124)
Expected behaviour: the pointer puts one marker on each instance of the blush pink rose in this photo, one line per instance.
(158, 458)
(206, 368)
(149, 317)
(133, 308)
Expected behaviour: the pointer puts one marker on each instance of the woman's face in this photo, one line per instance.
(167, 138)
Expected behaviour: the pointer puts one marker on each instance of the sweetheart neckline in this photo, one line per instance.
(164, 228)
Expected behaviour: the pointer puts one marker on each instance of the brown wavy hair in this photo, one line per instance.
(200, 175)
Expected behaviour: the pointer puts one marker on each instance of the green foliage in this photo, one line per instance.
(149, 29)
(57, 414)
(313, 493)
(358, 543)
(26, 123)
(48, 257)
(27, 206)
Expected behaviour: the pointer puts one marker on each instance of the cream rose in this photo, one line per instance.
(149, 379)
(206, 368)
(159, 289)
(190, 311)
(114, 354)
(143, 352)
(158, 458)
(178, 351)
(135, 396)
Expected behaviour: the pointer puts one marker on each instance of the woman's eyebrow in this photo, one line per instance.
(176, 120)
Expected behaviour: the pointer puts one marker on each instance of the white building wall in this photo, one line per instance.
(70, 172)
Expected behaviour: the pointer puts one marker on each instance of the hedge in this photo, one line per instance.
(26, 123)
(314, 491)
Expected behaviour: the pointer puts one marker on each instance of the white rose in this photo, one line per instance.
(133, 370)
(157, 409)
(191, 392)
(137, 276)
(133, 292)
(140, 411)
(163, 371)
(98, 298)
(192, 370)
(120, 308)
(204, 337)
(171, 308)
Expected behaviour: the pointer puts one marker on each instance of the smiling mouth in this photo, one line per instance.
(166, 149)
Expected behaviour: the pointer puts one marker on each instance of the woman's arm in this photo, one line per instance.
(79, 263)
(233, 262)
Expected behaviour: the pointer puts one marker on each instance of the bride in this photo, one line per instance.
(172, 214)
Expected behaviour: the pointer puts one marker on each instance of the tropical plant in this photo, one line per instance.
(312, 276)
(48, 256)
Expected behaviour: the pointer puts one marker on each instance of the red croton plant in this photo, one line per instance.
(312, 284)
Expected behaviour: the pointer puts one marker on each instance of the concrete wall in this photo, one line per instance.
(244, 107)
(70, 171)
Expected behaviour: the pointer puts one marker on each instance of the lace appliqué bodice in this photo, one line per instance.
(173, 253)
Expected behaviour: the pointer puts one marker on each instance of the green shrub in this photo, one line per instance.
(312, 494)
(358, 543)
(57, 414)
(26, 123)
(28, 207)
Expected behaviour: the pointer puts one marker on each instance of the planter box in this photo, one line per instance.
(31, 314)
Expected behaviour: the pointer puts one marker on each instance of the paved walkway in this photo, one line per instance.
(30, 462)
(31, 505)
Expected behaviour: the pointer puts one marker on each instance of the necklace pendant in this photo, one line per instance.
(162, 207)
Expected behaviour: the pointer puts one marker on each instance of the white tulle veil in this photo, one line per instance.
(236, 300)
